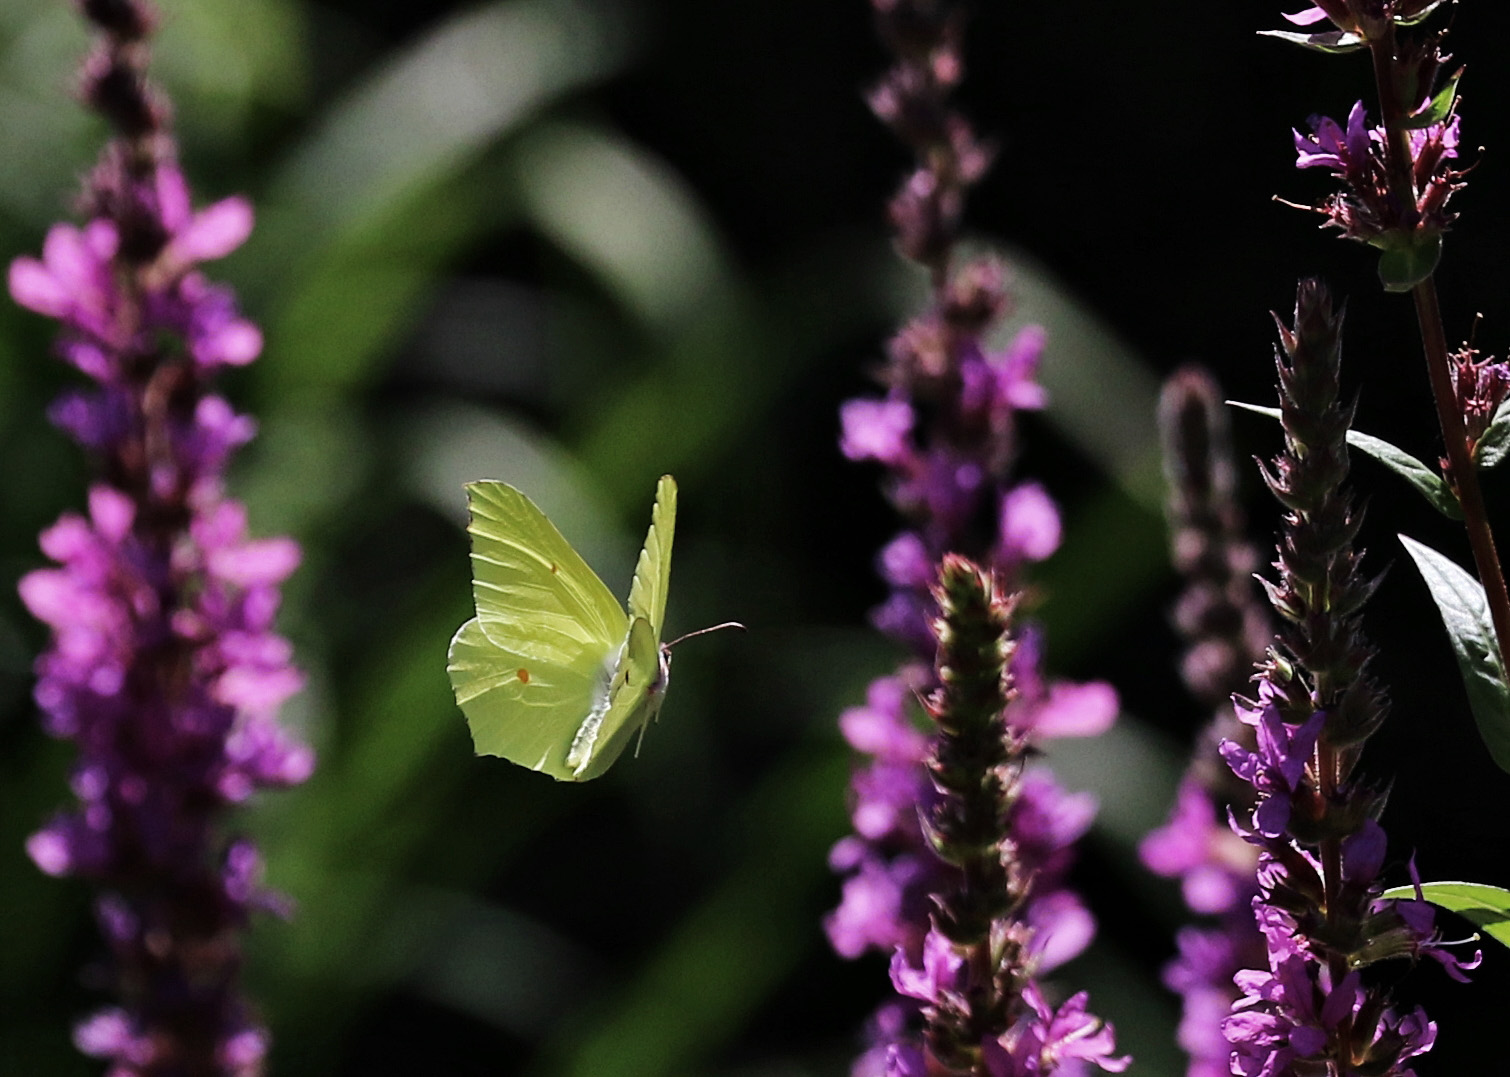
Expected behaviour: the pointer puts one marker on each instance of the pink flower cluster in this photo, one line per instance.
(164, 666)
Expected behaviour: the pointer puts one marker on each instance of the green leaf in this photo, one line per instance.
(386, 190)
(1332, 41)
(1257, 409)
(627, 217)
(1465, 613)
(1420, 16)
(1403, 265)
(1426, 481)
(1439, 108)
(1494, 446)
(1487, 907)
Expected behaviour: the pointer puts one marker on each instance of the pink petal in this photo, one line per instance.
(263, 561)
(34, 288)
(1077, 710)
(234, 344)
(1308, 17)
(214, 232)
(112, 512)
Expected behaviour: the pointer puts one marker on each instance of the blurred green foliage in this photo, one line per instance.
(464, 269)
(481, 252)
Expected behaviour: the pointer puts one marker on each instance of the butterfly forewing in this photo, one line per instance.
(530, 587)
(652, 574)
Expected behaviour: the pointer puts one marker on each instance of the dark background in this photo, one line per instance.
(674, 260)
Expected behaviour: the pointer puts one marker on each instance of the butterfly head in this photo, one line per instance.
(663, 671)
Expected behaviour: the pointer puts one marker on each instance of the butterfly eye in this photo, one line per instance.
(523, 675)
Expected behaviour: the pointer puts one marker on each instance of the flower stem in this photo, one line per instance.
(1331, 873)
(1465, 478)
(1463, 474)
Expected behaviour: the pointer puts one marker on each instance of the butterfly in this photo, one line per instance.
(552, 673)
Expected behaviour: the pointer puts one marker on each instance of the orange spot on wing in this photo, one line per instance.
(555, 568)
(524, 676)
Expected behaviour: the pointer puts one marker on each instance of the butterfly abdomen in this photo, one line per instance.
(580, 754)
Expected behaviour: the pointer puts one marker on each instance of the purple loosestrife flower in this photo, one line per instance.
(1366, 208)
(946, 433)
(1226, 631)
(1397, 178)
(164, 667)
(1311, 1007)
(1480, 386)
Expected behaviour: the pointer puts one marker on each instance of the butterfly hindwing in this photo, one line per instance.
(519, 707)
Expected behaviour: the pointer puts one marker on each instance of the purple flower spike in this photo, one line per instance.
(945, 432)
(164, 666)
(1311, 1007)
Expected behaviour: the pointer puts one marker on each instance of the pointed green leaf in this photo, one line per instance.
(1420, 16)
(1488, 907)
(1465, 613)
(1439, 108)
(1257, 409)
(1333, 41)
(1427, 481)
(1413, 471)
(1494, 446)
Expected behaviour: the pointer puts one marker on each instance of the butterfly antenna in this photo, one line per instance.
(705, 631)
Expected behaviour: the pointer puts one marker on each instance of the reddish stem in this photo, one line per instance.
(1463, 473)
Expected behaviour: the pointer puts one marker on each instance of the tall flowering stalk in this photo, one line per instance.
(1315, 819)
(1396, 179)
(1226, 631)
(946, 433)
(983, 1011)
(163, 667)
